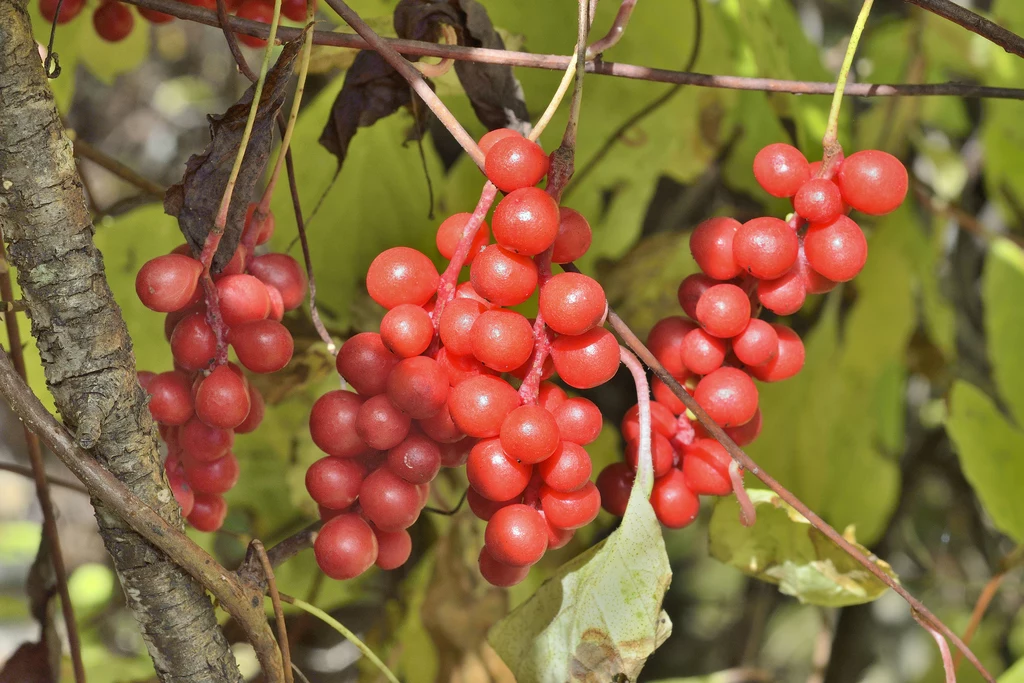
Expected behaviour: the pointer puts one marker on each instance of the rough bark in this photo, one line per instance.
(87, 356)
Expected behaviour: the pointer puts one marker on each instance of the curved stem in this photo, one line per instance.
(947, 659)
(748, 514)
(832, 129)
(617, 30)
(450, 276)
(645, 460)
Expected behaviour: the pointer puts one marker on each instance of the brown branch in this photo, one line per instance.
(561, 62)
(83, 150)
(616, 31)
(290, 547)
(52, 480)
(145, 520)
(35, 456)
(275, 599)
(975, 23)
(630, 339)
(988, 593)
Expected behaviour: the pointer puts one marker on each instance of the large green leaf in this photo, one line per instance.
(1003, 290)
(1015, 674)
(990, 454)
(600, 614)
(783, 548)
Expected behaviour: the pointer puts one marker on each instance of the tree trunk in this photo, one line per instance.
(87, 355)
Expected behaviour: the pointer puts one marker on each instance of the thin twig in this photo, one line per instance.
(947, 659)
(52, 480)
(748, 513)
(633, 342)
(454, 510)
(229, 37)
(412, 76)
(35, 455)
(832, 151)
(975, 23)
(275, 599)
(617, 30)
(288, 548)
(83, 150)
(561, 62)
(988, 593)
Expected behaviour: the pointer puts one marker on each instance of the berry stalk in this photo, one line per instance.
(450, 277)
(831, 139)
(645, 461)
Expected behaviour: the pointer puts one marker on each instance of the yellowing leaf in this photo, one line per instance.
(783, 548)
(1003, 289)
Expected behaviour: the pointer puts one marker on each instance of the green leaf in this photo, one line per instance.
(1002, 291)
(783, 548)
(1015, 674)
(600, 614)
(989, 448)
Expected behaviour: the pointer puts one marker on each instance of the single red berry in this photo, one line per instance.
(222, 399)
(418, 386)
(406, 330)
(818, 201)
(492, 137)
(501, 339)
(703, 353)
(502, 277)
(257, 11)
(417, 459)
(170, 400)
(516, 535)
(550, 396)
(113, 21)
(479, 405)
(498, 573)
(557, 538)
(814, 283)
(202, 443)
(456, 324)
(662, 422)
(836, 250)
(526, 221)
(460, 368)
(296, 11)
(365, 363)
(873, 182)
(243, 298)
(256, 409)
(691, 289)
(276, 304)
(332, 424)
(787, 362)
(570, 510)
(706, 468)
(665, 341)
(265, 228)
(766, 247)
(723, 310)
(662, 454)
(345, 547)
(568, 468)
(615, 484)
(214, 477)
(208, 512)
(572, 303)
(285, 274)
(757, 344)
(728, 395)
(393, 548)
(674, 503)
(666, 397)
(401, 276)
(334, 482)
(168, 283)
(784, 295)
(514, 163)
(781, 169)
(389, 501)
(449, 234)
(574, 236)
(711, 245)
(235, 266)
(484, 508)
(493, 474)
(578, 420)
(441, 427)
(69, 9)
(587, 360)
(381, 424)
(529, 434)
(745, 434)
(262, 346)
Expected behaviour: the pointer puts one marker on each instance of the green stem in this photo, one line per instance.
(337, 626)
(832, 130)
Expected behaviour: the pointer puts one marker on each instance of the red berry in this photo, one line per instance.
(666, 397)
(285, 274)
(441, 427)
(334, 482)
(757, 344)
(723, 310)
(550, 396)
(814, 283)
(663, 422)
(765, 247)
(784, 295)
(222, 399)
(662, 454)
(587, 360)
(170, 400)
(503, 278)
(389, 501)
(460, 368)
(492, 137)
(570, 510)
(818, 201)
(745, 434)
(728, 395)
(417, 459)
(515, 162)
(711, 245)
(257, 11)
(529, 434)
(418, 386)
(69, 9)
(706, 468)
(781, 169)
(691, 289)
(516, 535)
(381, 424)
(393, 548)
(168, 283)
(557, 538)
(568, 468)
(574, 236)
(345, 547)
(202, 443)
(365, 363)
(665, 341)
(836, 250)
(873, 182)
(484, 508)
(578, 420)
(262, 346)
(572, 303)
(208, 512)
(498, 573)
(479, 405)
(113, 21)
(674, 503)
(788, 361)
(406, 330)
(703, 353)
(401, 276)
(493, 474)
(180, 488)
(215, 477)
(332, 424)
(243, 298)
(265, 230)
(449, 233)
(615, 484)
(276, 304)
(296, 11)
(502, 339)
(456, 323)
(526, 221)
(256, 410)
(235, 266)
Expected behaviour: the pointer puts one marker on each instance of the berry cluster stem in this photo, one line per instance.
(529, 390)
(645, 460)
(830, 142)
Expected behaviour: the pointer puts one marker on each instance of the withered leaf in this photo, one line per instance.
(196, 199)
(30, 663)
(38, 662)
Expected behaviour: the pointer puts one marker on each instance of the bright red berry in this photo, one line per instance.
(393, 548)
(784, 295)
(728, 395)
(572, 303)
(345, 547)
(417, 459)
(222, 399)
(570, 510)
(666, 397)
(418, 386)
(502, 277)
(873, 182)
(365, 363)
(243, 298)
(262, 346)
(113, 21)
(492, 137)
(706, 468)
(568, 468)
(781, 169)
(662, 454)
(723, 310)
(449, 233)
(484, 508)
(578, 420)
(836, 250)
(456, 324)
(516, 535)
(332, 424)
(401, 275)
(529, 434)
(662, 422)
(389, 501)
(765, 247)
(787, 362)
(208, 512)
(526, 221)
(514, 162)
(501, 339)
(480, 404)
(285, 274)
(406, 330)
(334, 482)
(745, 434)
(691, 289)
(441, 427)
(587, 360)
(203, 443)
(818, 201)
(498, 573)
(674, 503)
(257, 11)
(665, 341)
(757, 344)
(381, 424)
(711, 244)
(574, 236)
(168, 283)
(170, 400)
(493, 474)
(214, 477)
(703, 353)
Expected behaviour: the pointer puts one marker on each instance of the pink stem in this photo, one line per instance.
(947, 656)
(529, 390)
(747, 513)
(450, 277)
(214, 317)
(645, 461)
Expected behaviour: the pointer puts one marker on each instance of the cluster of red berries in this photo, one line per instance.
(722, 346)
(113, 20)
(435, 387)
(202, 403)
